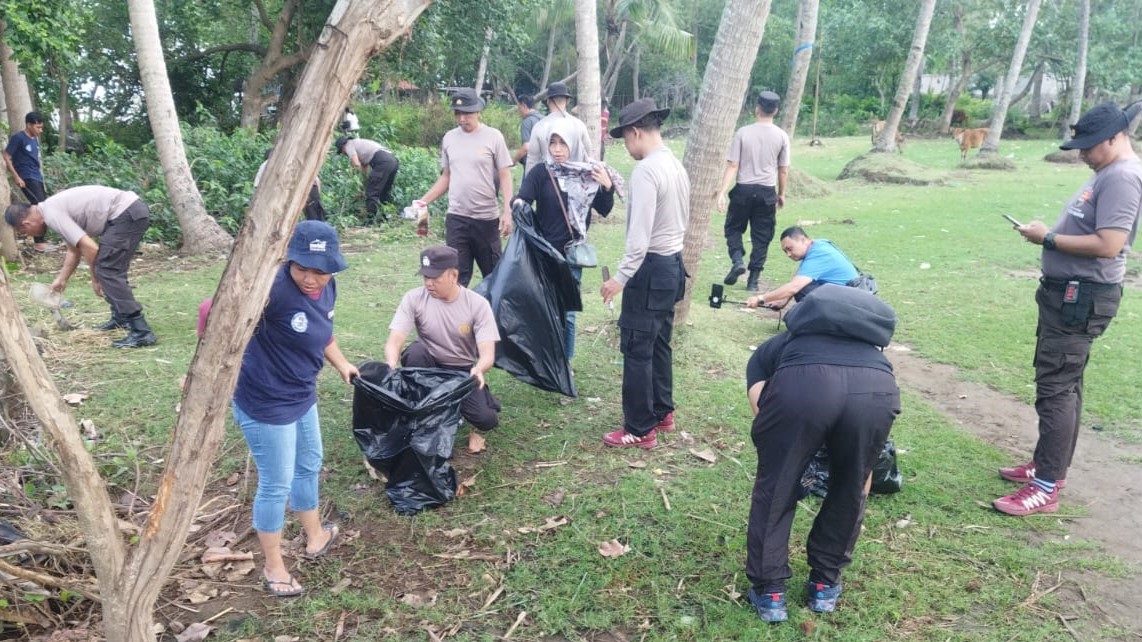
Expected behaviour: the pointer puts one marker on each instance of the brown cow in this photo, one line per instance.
(968, 139)
(878, 126)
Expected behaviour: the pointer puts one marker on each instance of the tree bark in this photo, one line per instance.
(200, 233)
(955, 93)
(719, 105)
(802, 61)
(18, 101)
(588, 80)
(886, 142)
(1003, 99)
(488, 34)
(917, 85)
(1078, 85)
(64, 111)
(551, 55)
(1036, 74)
(129, 581)
(274, 61)
(634, 69)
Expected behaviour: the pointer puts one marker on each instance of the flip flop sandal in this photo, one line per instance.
(334, 532)
(273, 587)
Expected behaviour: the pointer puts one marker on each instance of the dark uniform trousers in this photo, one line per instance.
(117, 247)
(755, 206)
(480, 408)
(646, 325)
(1062, 349)
(473, 239)
(379, 186)
(850, 410)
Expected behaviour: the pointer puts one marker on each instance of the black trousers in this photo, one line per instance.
(754, 206)
(313, 209)
(848, 409)
(36, 193)
(646, 325)
(117, 247)
(473, 239)
(1062, 349)
(480, 408)
(379, 186)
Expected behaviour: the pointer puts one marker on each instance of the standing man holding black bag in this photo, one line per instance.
(759, 161)
(650, 275)
(1084, 262)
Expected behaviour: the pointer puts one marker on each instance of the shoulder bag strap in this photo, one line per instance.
(559, 197)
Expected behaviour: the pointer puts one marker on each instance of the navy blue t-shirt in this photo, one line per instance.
(25, 153)
(278, 380)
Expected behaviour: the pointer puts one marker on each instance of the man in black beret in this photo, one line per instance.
(758, 161)
(1083, 263)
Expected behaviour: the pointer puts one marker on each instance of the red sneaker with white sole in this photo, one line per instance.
(1025, 474)
(1027, 501)
(623, 439)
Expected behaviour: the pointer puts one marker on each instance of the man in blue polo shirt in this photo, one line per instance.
(22, 157)
(820, 261)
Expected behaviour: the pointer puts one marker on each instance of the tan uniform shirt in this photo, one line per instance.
(84, 211)
(452, 331)
(474, 162)
(658, 210)
(759, 149)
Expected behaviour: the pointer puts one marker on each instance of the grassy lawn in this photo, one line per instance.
(934, 562)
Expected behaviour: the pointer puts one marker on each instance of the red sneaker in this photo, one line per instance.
(1025, 474)
(1027, 501)
(667, 423)
(623, 439)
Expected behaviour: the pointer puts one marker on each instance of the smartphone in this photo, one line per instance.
(606, 274)
(1012, 220)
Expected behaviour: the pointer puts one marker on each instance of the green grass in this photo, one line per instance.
(956, 571)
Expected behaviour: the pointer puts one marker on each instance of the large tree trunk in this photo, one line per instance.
(719, 105)
(965, 71)
(1078, 85)
(1003, 99)
(917, 85)
(254, 100)
(588, 81)
(129, 581)
(551, 55)
(200, 233)
(18, 100)
(802, 60)
(634, 69)
(886, 142)
(488, 35)
(64, 111)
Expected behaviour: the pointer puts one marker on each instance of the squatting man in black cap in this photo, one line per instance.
(454, 329)
(475, 161)
(759, 161)
(650, 276)
(1083, 263)
(119, 219)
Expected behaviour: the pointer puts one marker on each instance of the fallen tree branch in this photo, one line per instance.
(47, 580)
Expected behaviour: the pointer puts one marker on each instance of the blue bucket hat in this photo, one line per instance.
(314, 245)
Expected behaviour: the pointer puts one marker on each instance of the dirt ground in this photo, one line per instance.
(1101, 481)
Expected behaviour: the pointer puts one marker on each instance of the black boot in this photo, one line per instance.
(139, 333)
(751, 282)
(736, 270)
(114, 323)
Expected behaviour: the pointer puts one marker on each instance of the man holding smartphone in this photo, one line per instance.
(1083, 264)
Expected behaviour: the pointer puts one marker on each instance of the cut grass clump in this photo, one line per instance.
(989, 161)
(877, 167)
(803, 185)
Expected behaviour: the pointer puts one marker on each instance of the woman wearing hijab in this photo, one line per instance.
(563, 193)
(275, 402)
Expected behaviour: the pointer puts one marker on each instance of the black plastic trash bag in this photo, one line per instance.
(531, 290)
(405, 423)
(886, 477)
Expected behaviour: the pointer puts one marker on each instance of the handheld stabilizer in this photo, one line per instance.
(717, 296)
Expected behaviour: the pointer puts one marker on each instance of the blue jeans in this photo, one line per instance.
(569, 338)
(288, 458)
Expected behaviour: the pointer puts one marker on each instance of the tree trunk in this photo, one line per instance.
(719, 104)
(999, 114)
(64, 112)
(802, 60)
(1078, 85)
(588, 81)
(1036, 74)
(200, 233)
(551, 55)
(1035, 109)
(634, 65)
(616, 56)
(917, 85)
(887, 140)
(488, 34)
(954, 94)
(18, 101)
(275, 61)
(129, 581)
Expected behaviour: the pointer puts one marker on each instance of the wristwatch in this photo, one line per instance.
(1049, 241)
